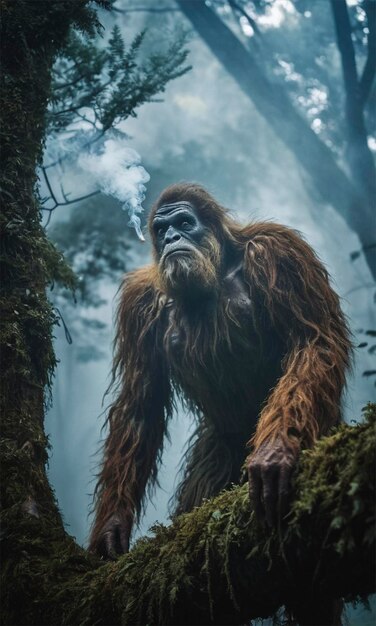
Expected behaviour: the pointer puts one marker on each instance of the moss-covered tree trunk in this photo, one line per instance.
(30, 38)
(32, 32)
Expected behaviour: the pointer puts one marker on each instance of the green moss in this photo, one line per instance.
(354, 450)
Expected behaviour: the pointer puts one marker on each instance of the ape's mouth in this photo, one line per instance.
(176, 251)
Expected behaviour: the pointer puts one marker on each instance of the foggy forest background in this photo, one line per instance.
(203, 127)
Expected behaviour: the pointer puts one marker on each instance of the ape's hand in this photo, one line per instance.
(269, 474)
(114, 537)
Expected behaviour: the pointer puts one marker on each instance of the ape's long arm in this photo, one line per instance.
(137, 417)
(289, 283)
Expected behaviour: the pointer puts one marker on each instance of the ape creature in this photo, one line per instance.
(241, 322)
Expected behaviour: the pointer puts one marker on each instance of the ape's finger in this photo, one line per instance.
(270, 496)
(124, 539)
(255, 492)
(284, 490)
(109, 545)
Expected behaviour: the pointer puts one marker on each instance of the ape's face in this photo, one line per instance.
(177, 229)
(188, 252)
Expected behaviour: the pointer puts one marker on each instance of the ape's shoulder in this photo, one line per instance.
(291, 279)
(139, 294)
(271, 232)
(276, 243)
(140, 281)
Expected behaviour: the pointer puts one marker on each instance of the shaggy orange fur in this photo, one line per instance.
(273, 367)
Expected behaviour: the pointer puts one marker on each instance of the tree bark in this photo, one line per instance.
(31, 36)
(28, 259)
(368, 75)
(216, 565)
(274, 105)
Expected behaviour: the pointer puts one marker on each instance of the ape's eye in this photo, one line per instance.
(185, 225)
(160, 231)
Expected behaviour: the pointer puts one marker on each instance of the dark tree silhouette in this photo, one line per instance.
(353, 198)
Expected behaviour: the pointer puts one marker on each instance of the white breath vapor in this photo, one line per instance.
(118, 172)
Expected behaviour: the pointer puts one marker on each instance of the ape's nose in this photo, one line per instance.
(172, 235)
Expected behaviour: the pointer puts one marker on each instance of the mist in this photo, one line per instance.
(116, 169)
(205, 130)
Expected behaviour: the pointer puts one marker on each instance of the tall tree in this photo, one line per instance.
(352, 197)
(32, 34)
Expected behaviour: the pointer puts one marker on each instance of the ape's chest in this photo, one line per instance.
(207, 334)
(216, 357)
(222, 359)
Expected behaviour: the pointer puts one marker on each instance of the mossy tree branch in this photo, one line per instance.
(215, 565)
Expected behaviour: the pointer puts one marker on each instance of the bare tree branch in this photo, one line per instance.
(347, 52)
(146, 9)
(56, 202)
(357, 288)
(369, 70)
(359, 156)
(91, 141)
(237, 7)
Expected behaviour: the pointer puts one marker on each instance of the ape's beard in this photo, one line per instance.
(192, 273)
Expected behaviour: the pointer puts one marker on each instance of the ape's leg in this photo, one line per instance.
(213, 461)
